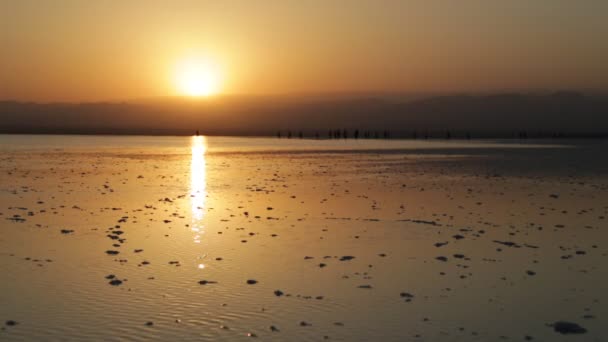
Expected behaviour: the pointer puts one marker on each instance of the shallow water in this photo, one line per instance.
(285, 213)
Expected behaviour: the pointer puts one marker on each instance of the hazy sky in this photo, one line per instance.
(105, 50)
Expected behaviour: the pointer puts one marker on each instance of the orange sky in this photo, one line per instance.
(108, 50)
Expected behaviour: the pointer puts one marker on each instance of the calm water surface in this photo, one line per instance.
(219, 238)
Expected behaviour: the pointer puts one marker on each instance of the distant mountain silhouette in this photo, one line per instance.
(568, 113)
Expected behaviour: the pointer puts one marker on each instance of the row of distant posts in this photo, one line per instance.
(344, 134)
(356, 134)
(339, 134)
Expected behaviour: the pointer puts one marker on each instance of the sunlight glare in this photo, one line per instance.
(198, 185)
(197, 78)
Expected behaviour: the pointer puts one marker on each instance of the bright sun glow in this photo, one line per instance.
(197, 78)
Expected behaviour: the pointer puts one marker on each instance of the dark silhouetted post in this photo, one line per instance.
(356, 134)
(288, 134)
(301, 135)
(279, 134)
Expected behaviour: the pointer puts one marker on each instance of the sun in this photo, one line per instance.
(197, 78)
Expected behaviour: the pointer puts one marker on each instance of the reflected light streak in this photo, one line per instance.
(198, 185)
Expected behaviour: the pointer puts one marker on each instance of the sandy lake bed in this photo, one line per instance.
(217, 238)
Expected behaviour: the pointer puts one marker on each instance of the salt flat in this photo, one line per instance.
(216, 238)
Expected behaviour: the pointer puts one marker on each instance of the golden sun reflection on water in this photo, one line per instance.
(198, 185)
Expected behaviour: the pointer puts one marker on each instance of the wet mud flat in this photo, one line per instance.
(196, 242)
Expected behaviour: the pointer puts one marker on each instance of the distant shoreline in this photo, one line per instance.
(558, 115)
(458, 136)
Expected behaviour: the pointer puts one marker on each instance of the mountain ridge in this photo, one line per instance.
(500, 114)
